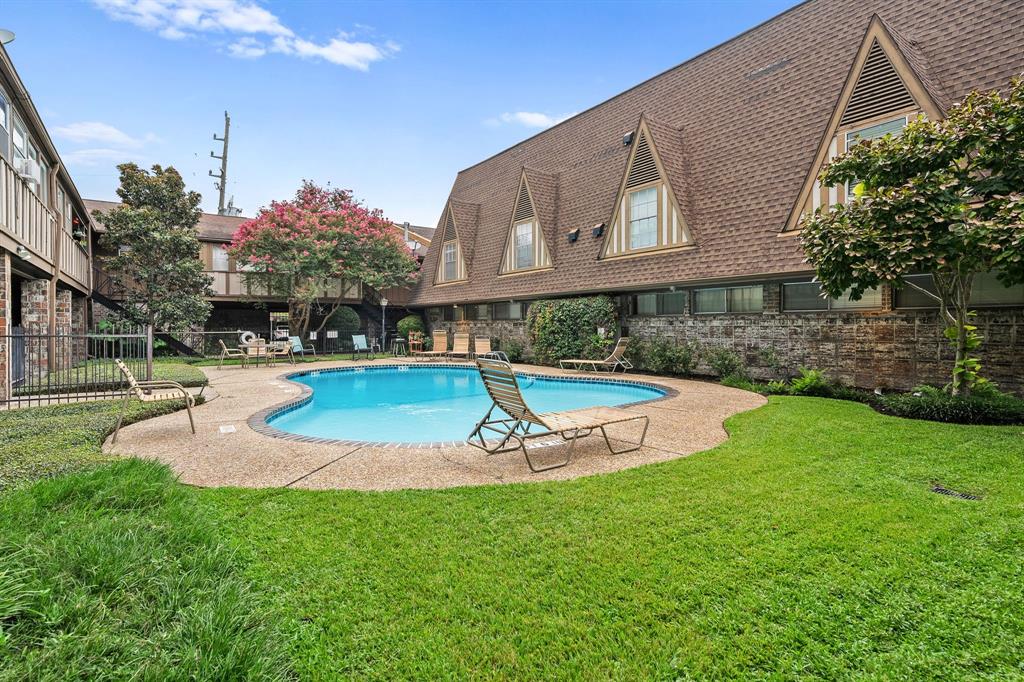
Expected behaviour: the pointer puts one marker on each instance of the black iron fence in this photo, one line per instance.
(44, 367)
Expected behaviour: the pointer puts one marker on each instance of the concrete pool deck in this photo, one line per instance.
(226, 451)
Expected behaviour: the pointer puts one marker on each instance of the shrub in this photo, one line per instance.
(935, 405)
(564, 328)
(724, 362)
(662, 356)
(812, 382)
(344, 319)
(408, 324)
(512, 348)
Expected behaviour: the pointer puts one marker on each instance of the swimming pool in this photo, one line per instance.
(410, 404)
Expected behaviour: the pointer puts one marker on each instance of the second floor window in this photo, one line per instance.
(220, 258)
(643, 218)
(450, 268)
(524, 245)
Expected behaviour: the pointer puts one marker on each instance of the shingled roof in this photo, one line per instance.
(211, 227)
(743, 121)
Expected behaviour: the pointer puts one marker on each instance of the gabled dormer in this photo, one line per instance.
(883, 92)
(526, 248)
(647, 218)
(451, 261)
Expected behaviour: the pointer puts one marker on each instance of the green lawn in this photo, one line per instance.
(808, 545)
(103, 375)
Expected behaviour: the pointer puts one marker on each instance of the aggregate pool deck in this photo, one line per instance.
(226, 451)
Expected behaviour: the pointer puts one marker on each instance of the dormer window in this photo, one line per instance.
(450, 262)
(450, 266)
(643, 218)
(524, 245)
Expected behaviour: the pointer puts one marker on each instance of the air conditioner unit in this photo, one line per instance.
(28, 169)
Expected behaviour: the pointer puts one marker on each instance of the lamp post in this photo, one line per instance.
(383, 324)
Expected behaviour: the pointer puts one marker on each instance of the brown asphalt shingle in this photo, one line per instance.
(747, 135)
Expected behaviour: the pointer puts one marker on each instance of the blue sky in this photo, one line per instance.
(390, 100)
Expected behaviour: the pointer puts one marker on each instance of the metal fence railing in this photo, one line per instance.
(46, 367)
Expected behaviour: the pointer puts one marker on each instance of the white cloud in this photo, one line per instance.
(247, 48)
(102, 133)
(97, 157)
(529, 119)
(244, 19)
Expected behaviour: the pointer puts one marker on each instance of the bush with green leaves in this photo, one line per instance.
(344, 319)
(985, 406)
(660, 355)
(410, 323)
(725, 362)
(564, 328)
(811, 382)
(512, 348)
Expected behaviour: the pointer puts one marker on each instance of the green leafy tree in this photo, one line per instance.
(157, 269)
(944, 198)
(302, 247)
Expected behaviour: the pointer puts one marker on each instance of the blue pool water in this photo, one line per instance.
(420, 404)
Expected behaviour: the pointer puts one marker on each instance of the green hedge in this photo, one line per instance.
(410, 323)
(567, 328)
(933, 404)
(344, 319)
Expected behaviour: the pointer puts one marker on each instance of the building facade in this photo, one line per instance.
(45, 252)
(682, 197)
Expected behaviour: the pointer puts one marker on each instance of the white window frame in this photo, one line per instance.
(631, 220)
(524, 229)
(449, 256)
(218, 251)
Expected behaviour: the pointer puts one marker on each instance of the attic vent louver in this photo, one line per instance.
(524, 207)
(879, 89)
(449, 228)
(644, 169)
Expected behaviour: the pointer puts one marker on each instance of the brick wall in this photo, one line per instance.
(79, 326)
(61, 358)
(887, 348)
(35, 320)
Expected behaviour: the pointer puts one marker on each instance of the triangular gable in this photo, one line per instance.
(449, 240)
(524, 210)
(881, 81)
(646, 168)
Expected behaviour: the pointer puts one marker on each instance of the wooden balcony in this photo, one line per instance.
(233, 286)
(25, 221)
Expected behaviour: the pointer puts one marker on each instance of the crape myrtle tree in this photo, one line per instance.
(157, 269)
(944, 198)
(301, 247)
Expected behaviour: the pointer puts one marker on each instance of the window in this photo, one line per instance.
(451, 313)
(872, 132)
(481, 312)
(663, 303)
(806, 297)
(524, 245)
(220, 258)
(729, 300)
(643, 218)
(508, 310)
(450, 266)
(5, 125)
(986, 291)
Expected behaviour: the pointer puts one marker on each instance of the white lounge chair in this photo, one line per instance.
(613, 362)
(152, 391)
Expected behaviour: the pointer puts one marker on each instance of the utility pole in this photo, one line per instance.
(222, 177)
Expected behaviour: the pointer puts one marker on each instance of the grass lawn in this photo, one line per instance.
(809, 544)
(103, 375)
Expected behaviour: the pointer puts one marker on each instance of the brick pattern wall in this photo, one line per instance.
(6, 310)
(62, 350)
(79, 326)
(35, 319)
(893, 349)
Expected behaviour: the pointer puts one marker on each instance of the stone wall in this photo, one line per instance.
(500, 331)
(35, 320)
(61, 359)
(893, 349)
(79, 327)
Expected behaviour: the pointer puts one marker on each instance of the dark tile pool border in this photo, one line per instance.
(259, 422)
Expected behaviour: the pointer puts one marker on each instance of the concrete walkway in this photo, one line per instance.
(226, 452)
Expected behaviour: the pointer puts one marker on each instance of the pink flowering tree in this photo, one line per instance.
(302, 248)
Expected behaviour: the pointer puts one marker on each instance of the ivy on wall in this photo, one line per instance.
(568, 328)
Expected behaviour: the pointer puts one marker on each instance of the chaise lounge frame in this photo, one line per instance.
(612, 363)
(513, 432)
(149, 392)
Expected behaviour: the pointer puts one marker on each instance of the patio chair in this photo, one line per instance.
(150, 392)
(613, 362)
(482, 349)
(460, 346)
(503, 388)
(280, 349)
(297, 346)
(359, 345)
(226, 352)
(440, 346)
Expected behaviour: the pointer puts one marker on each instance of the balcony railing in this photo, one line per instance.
(74, 260)
(235, 284)
(24, 216)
